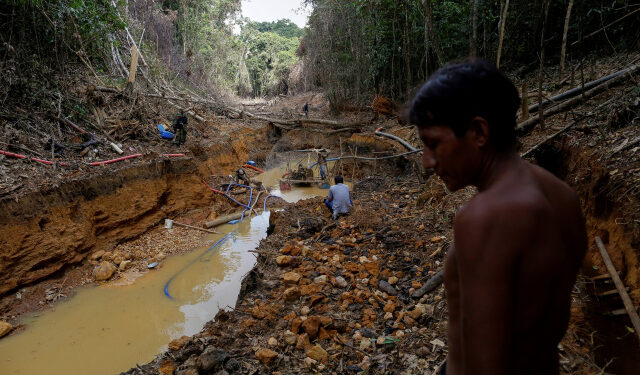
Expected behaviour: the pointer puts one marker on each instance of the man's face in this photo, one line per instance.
(454, 159)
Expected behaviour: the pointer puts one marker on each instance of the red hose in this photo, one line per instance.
(115, 160)
(49, 162)
(12, 154)
(254, 168)
(212, 189)
(19, 156)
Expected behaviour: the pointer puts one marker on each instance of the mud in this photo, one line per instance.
(336, 316)
(43, 232)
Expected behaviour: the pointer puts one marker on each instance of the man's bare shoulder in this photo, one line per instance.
(496, 206)
(500, 221)
(553, 184)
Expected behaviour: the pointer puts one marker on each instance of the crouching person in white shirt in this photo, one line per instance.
(339, 199)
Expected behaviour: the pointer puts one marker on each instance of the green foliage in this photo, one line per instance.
(284, 27)
(270, 55)
(82, 24)
(40, 39)
(359, 48)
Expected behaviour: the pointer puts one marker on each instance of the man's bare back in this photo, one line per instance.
(518, 244)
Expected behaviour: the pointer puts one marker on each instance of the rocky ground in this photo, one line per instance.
(360, 294)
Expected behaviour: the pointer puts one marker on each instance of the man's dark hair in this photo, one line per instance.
(339, 179)
(458, 92)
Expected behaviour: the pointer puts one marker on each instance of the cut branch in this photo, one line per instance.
(628, 304)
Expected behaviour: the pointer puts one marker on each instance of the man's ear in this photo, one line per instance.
(479, 131)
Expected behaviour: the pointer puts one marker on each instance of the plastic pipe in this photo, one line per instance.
(254, 168)
(226, 194)
(265, 201)
(373, 159)
(63, 164)
(254, 204)
(19, 156)
(402, 141)
(248, 206)
(230, 197)
(49, 162)
(212, 189)
(12, 154)
(166, 286)
(115, 160)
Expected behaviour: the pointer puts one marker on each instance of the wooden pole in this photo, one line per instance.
(545, 10)
(134, 64)
(563, 50)
(503, 21)
(192, 227)
(628, 305)
(355, 163)
(525, 102)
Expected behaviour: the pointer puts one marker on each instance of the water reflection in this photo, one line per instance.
(108, 329)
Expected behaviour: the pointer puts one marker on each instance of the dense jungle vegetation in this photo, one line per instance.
(353, 50)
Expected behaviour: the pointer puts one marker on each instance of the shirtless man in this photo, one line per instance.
(518, 244)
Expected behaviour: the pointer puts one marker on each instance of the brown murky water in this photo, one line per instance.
(109, 329)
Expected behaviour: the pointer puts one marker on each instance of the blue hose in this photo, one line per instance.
(166, 286)
(265, 201)
(246, 207)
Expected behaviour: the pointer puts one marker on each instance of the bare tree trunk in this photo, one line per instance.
(564, 39)
(473, 43)
(407, 54)
(545, 11)
(434, 40)
(426, 46)
(503, 21)
(525, 102)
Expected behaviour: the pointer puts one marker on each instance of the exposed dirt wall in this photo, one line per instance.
(45, 231)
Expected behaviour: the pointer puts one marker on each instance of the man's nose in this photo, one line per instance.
(428, 159)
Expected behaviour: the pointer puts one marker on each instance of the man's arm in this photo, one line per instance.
(488, 243)
(330, 196)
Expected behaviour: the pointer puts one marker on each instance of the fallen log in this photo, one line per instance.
(526, 126)
(577, 90)
(223, 219)
(628, 305)
(167, 98)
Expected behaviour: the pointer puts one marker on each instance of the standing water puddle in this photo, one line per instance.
(109, 329)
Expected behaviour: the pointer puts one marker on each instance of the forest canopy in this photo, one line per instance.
(353, 50)
(357, 49)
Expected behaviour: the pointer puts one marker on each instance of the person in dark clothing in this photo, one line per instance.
(242, 177)
(305, 108)
(180, 128)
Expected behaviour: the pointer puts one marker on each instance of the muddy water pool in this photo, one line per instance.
(110, 328)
